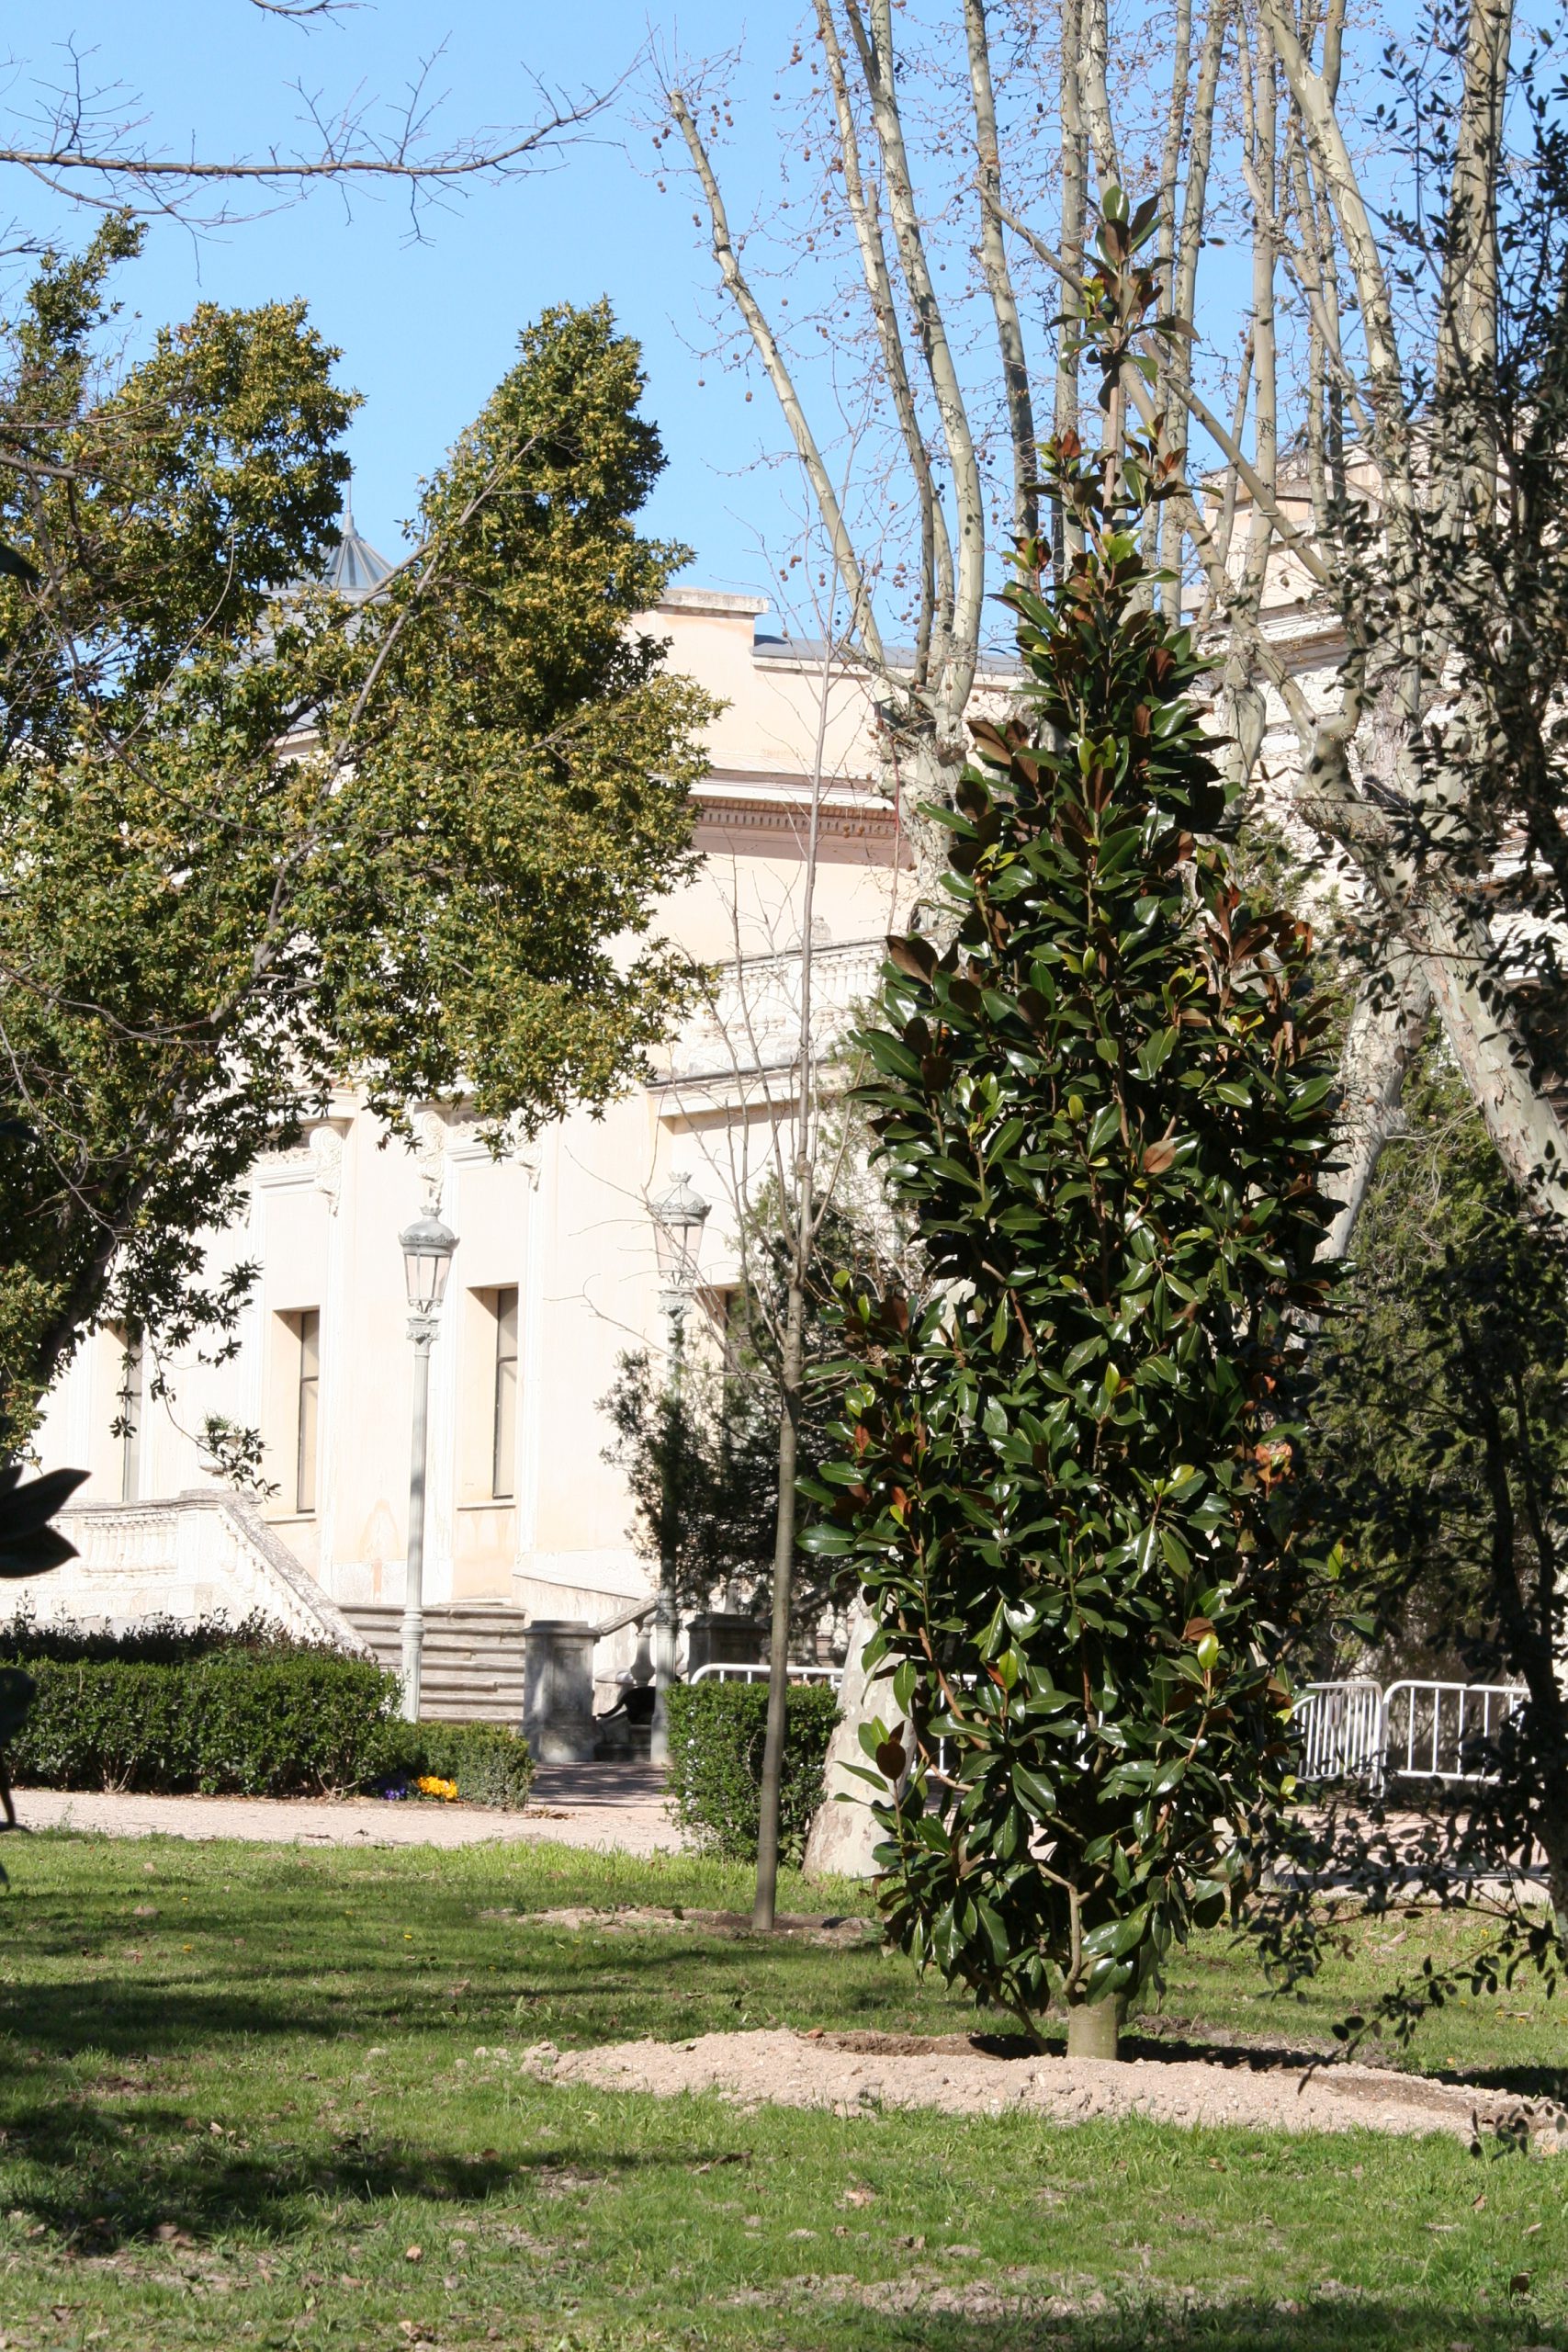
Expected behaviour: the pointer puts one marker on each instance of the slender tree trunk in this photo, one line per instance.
(1094, 2028)
(764, 1909)
(801, 1219)
(1380, 1043)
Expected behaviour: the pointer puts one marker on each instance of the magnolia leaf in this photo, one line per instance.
(915, 958)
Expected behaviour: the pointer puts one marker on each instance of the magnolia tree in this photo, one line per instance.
(1390, 347)
(1070, 1484)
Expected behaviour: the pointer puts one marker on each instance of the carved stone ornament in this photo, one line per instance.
(430, 1155)
(326, 1149)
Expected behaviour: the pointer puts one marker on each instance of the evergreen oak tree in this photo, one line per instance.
(251, 843)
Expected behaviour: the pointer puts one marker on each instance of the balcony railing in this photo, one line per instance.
(750, 1023)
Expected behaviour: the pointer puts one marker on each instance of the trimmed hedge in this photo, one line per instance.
(151, 1640)
(272, 1720)
(490, 1765)
(716, 1730)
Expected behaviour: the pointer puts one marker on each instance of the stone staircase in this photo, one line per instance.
(473, 1657)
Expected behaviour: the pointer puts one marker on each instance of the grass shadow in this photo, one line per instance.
(1322, 2324)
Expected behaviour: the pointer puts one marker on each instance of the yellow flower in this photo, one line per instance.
(429, 1785)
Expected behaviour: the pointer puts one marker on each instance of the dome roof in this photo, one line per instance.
(355, 571)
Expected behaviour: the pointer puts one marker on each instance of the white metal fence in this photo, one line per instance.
(1442, 1731)
(1412, 1731)
(1348, 1730)
(721, 1673)
(1341, 1726)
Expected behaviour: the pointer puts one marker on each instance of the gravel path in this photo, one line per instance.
(841, 2072)
(610, 1807)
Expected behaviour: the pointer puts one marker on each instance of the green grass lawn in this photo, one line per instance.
(261, 2097)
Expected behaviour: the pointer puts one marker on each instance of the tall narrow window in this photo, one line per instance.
(129, 1417)
(504, 1454)
(309, 1327)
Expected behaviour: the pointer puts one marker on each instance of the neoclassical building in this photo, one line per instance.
(555, 1271)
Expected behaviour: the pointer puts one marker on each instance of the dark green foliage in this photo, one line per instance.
(233, 1724)
(1071, 1482)
(28, 1544)
(150, 1641)
(1443, 1413)
(717, 1731)
(1440, 1405)
(238, 1718)
(490, 1765)
(251, 840)
(17, 1691)
(235, 1708)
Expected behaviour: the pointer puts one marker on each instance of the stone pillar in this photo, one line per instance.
(719, 1637)
(558, 1689)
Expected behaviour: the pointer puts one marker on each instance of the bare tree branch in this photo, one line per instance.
(998, 278)
(778, 372)
(91, 154)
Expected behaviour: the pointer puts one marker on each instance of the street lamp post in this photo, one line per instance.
(679, 1216)
(427, 1247)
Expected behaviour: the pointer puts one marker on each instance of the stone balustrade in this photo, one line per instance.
(192, 1556)
(751, 1020)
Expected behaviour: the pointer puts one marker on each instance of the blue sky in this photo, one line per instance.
(427, 329)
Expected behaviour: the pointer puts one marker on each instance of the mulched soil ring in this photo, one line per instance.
(858, 2073)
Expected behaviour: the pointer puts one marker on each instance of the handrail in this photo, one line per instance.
(178, 1540)
(604, 1627)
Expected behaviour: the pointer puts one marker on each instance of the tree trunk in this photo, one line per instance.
(1379, 1044)
(844, 1834)
(1494, 1059)
(1094, 2028)
(764, 1906)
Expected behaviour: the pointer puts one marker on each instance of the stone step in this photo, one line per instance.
(473, 1663)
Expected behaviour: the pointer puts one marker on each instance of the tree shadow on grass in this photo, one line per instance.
(1323, 2324)
(124, 2014)
(101, 2192)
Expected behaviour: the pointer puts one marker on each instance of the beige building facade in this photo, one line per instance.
(555, 1272)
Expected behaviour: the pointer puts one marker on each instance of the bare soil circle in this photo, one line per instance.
(860, 2072)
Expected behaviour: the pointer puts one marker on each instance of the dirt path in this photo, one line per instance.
(607, 1807)
(842, 2072)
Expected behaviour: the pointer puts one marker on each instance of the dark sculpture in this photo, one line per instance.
(28, 1546)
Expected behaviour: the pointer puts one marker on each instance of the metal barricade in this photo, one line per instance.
(1442, 1731)
(1341, 1731)
(1412, 1731)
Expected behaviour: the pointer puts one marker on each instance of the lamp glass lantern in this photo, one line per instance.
(427, 1247)
(679, 1216)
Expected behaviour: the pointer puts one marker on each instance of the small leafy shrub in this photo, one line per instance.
(717, 1731)
(481, 1763)
(152, 1641)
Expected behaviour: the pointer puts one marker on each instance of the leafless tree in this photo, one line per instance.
(1256, 88)
(91, 143)
(1320, 456)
